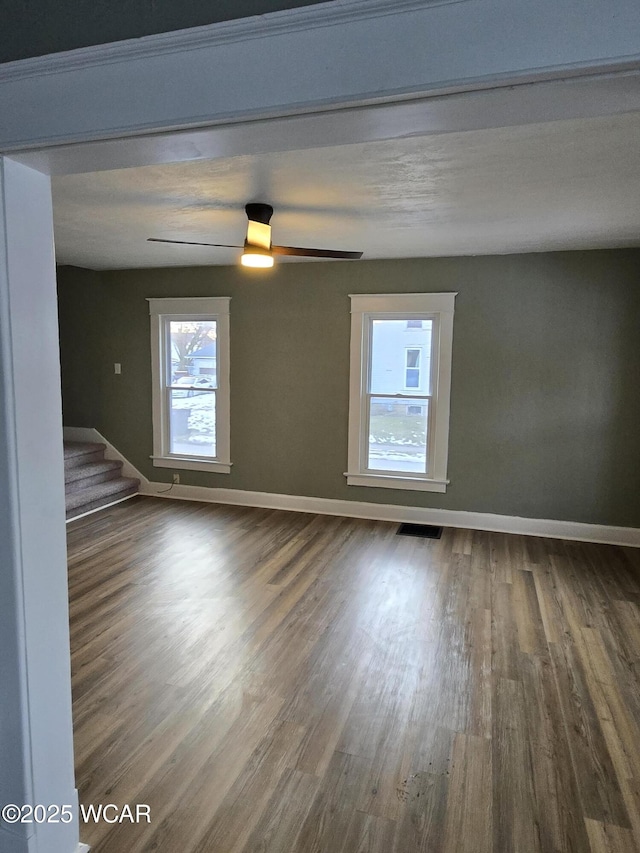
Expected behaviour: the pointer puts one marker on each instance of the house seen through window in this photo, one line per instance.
(399, 400)
(399, 378)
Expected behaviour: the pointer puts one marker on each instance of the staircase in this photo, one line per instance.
(90, 480)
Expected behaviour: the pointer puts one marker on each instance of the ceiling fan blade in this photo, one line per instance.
(190, 243)
(315, 253)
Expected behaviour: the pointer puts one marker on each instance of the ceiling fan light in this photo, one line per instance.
(256, 257)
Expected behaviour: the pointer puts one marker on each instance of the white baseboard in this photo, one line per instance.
(90, 434)
(100, 508)
(83, 848)
(547, 528)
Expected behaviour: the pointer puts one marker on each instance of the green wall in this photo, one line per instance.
(545, 389)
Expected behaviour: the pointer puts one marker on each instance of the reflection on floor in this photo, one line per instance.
(290, 683)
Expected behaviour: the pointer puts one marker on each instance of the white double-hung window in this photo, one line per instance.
(190, 371)
(399, 390)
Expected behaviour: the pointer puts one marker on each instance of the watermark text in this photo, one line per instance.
(90, 813)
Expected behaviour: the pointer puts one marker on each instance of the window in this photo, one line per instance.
(412, 371)
(399, 392)
(190, 369)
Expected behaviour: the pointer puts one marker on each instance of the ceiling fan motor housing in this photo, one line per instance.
(258, 212)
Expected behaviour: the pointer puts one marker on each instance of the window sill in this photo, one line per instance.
(384, 481)
(185, 463)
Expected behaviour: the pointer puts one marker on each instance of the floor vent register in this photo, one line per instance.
(423, 531)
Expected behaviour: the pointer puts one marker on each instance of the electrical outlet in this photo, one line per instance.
(176, 478)
(117, 368)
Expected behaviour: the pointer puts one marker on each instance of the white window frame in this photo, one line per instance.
(162, 311)
(438, 307)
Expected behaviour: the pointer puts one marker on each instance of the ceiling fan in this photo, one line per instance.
(258, 248)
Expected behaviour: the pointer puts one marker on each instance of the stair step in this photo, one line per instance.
(100, 494)
(81, 452)
(100, 503)
(91, 481)
(79, 473)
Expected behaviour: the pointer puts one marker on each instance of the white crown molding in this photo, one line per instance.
(546, 528)
(328, 14)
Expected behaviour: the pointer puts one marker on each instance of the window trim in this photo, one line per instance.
(364, 307)
(161, 311)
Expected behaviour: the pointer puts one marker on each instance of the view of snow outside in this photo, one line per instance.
(193, 349)
(193, 424)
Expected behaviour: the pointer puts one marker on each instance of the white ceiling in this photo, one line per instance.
(561, 185)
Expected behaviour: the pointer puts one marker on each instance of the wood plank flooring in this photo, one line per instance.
(290, 683)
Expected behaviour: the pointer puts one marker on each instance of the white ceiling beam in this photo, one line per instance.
(510, 106)
(345, 54)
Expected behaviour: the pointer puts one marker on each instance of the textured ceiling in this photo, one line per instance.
(562, 185)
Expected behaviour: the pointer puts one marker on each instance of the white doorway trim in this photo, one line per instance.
(36, 741)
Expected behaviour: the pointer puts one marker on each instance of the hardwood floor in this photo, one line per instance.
(289, 683)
